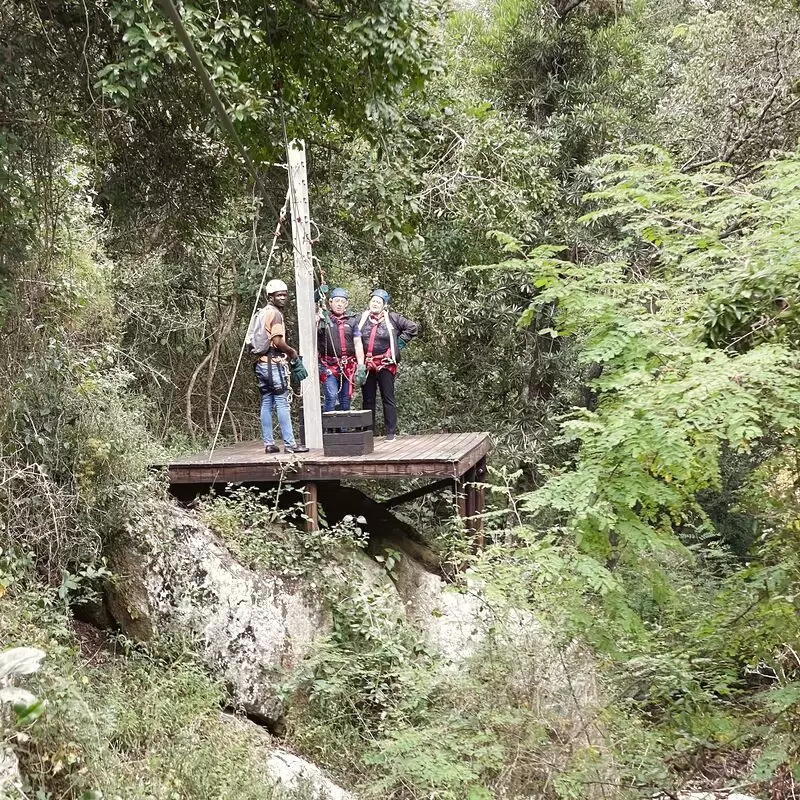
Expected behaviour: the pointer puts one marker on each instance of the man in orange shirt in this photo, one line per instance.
(271, 369)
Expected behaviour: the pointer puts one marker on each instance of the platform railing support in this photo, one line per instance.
(311, 507)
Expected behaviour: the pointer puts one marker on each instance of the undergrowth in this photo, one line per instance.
(257, 528)
(122, 722)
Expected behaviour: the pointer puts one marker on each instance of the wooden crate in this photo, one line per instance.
(347, 433)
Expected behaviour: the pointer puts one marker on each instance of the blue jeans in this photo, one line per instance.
(334, 392)
(280, 402)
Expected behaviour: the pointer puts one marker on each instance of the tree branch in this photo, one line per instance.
(563, 10)
(750, 129)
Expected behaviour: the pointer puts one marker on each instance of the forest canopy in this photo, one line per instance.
(592, 207)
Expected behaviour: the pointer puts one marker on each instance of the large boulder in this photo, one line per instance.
(292, 775)
(458, 621)
(251, 627)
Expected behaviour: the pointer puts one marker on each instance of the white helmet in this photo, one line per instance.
(276, 285)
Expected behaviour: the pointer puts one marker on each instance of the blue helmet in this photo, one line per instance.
(339, 292)
(383, 294)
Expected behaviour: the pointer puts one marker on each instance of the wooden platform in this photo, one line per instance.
(457, 460)
(433, 455)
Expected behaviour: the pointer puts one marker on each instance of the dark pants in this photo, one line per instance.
(383, 380)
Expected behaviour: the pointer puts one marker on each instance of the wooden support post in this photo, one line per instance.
(480, 504)
(311, 509)
(461, 498)
(304, 282)
(472, 501)
(469, 477)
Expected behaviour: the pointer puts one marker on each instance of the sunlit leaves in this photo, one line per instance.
(668, 404)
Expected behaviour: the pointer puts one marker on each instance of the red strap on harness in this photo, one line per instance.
(340, 368)
(342, 339)
(372, 335)
(379, 361)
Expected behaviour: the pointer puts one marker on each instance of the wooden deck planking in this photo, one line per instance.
(442, 455)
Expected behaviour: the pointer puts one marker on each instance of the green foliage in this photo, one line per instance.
(365, 59)
(667, 403)
(657, 525)
(560, 67)
(145, 724)
(685, 624)
(733, 82)
(455, 755)
(75, 448)
(258, 531)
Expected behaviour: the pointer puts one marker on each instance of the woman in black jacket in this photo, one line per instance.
(384, 334)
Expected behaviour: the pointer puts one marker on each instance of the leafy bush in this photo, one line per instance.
(123, 724)
(692, 633)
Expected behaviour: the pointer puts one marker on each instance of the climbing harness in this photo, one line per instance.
(342, 367)
(267, 386)
(387, 360)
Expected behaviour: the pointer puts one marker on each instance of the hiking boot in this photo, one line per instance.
(271, 448)
(295, 448)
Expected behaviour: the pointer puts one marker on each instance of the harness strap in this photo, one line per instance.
(270, 382)
(371, 342)
(342, 340)
(380, 361)
(344, 366)
(341, 368)
(389, 329)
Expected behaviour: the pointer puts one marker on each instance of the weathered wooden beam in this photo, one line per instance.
(461, 499)
(480, 504)
(420, 491)
(469, 498)
(311, 507)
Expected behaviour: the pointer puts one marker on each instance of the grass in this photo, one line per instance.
(133, 723)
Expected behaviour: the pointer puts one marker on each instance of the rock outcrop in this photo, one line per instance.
(250, 627)
(289, 775)
(292, 775)
(10, 779)
(458, 622)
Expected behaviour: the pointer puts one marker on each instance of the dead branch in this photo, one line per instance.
(564, 9)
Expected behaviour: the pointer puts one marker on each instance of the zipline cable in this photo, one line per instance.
(281, 219)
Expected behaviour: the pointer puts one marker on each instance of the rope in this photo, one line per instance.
(171, 12)
(281, 218)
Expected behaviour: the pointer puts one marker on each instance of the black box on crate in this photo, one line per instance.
(347, 433)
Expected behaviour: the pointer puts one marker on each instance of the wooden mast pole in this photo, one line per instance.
(304, 283)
